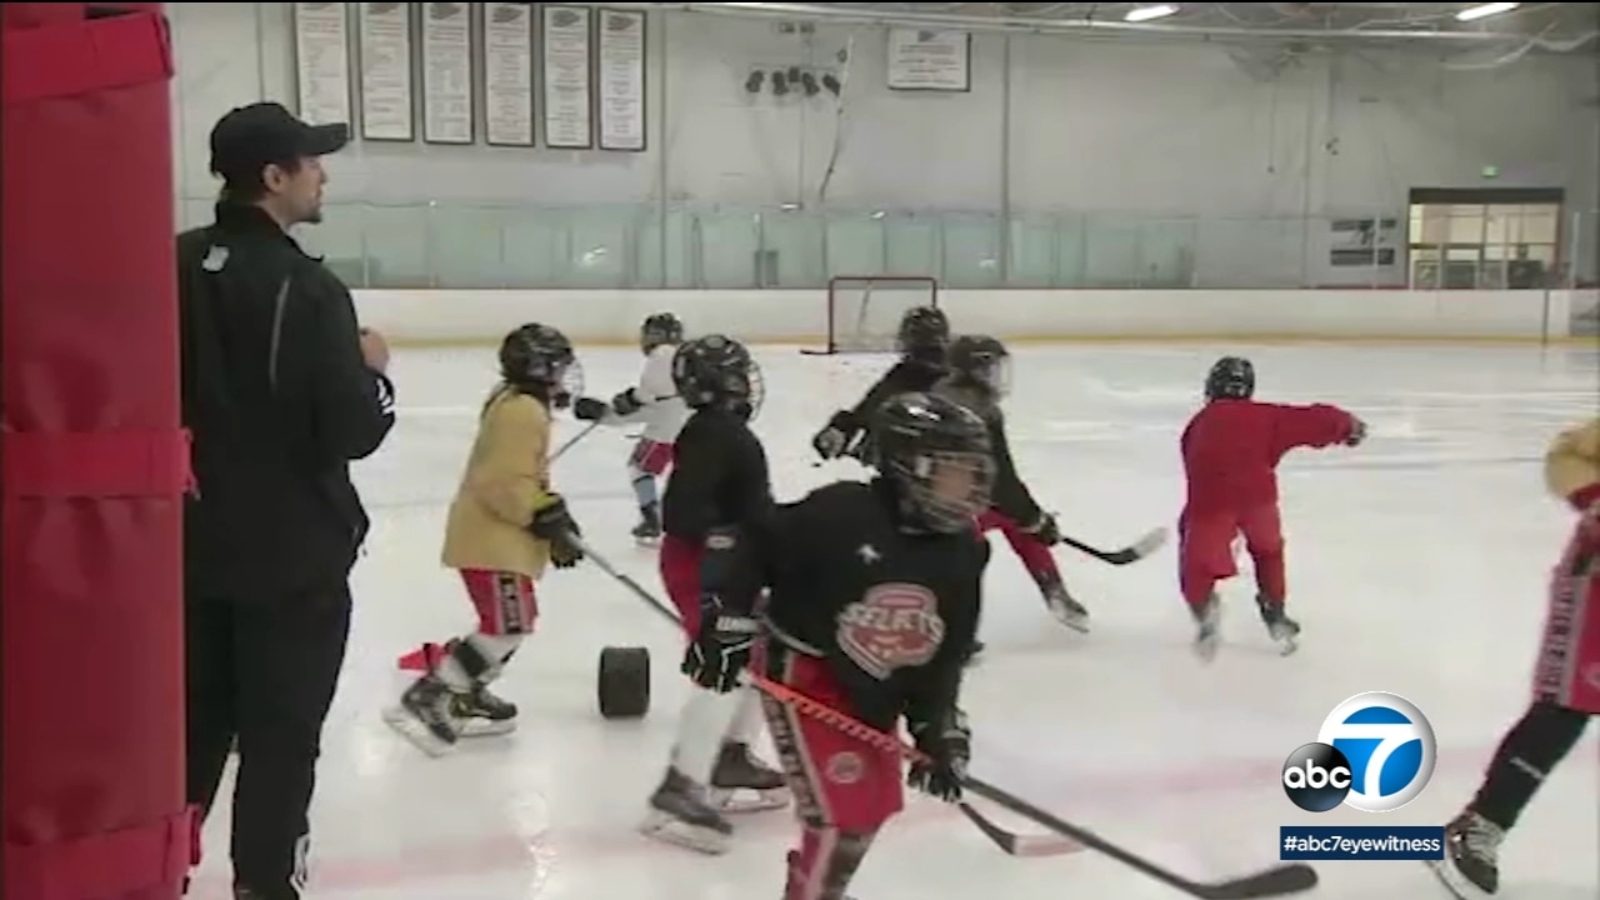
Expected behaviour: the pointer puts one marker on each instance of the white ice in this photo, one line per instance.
(1417, 565)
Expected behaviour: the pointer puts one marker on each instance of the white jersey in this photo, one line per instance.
(663, 412)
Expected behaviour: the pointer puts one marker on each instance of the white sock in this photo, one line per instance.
(495, 648)
(701, 728)
(748, 719)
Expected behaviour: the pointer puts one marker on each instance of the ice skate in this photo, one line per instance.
(1470, 868)
(740, 783)
(1283, 630)
(680, 815)
(1208, 617)
(424, 716)
(648, 532)
(482, 714)
(974, 654)
(1070, 612)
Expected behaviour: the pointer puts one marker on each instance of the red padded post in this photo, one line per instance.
(94, 461)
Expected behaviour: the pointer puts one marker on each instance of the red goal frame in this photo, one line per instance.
(832, 347)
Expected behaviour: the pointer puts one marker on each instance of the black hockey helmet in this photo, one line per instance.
(924, 332)
(717, 371)
(936, 454)
(658, 329)
(1232, 378)
(538, 359)
(982, 360)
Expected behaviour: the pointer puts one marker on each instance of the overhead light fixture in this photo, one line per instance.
(1484, 10)
(1146, 13)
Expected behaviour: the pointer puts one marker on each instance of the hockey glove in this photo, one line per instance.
(721, 651)
(553, 523)
(947, 743)
(829, 442)
(588, 409)
(1045, 530)
(1358, 432)
(626, 403)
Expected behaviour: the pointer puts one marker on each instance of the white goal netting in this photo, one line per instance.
(864, 310)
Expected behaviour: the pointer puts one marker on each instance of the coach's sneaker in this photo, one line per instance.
(740, 783)
(1470, 868)
(424, 716)
(1070, 612)
(679, 814)
(479, 713)
(1282, 629)
(1207, 617)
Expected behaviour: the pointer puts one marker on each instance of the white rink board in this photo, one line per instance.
(800, 316)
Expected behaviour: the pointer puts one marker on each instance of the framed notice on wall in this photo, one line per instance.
(622, 80)
(385, 33)
(921, 59)
(447, 73)
(508, 74)
(322, 62)
(568, 93)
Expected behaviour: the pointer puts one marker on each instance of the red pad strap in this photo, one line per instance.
(111, 864)
(94, 464)
(66, 59)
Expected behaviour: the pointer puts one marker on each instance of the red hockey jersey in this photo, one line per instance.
(1231, 449)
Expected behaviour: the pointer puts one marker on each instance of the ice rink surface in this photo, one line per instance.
(1417, 565)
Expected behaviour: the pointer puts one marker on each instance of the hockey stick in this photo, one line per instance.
(1138, 550)
(1014, 844)
(573, 440)
(1274, 882)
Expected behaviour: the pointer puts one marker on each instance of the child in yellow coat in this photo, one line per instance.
(505, 525)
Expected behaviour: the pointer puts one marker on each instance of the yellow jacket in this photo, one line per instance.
(506, 481)
(1572, 465)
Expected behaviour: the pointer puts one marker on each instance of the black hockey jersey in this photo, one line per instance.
(894, 614)
(1011, 497)
(719, 476)
(904, 377)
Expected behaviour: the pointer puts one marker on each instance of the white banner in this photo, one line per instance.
(622, 80)
(385, 31)
(508, 74)
(568, 96)
(447, 73)
(925, 60)
(322, 62)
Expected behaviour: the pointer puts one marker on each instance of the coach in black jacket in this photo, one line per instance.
(281, 389)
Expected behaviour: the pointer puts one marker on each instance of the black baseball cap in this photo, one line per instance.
(250, 137)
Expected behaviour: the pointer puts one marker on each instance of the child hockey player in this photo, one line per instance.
(1566, 681)
(874, 594)
(719, 483)
(924, 333)
(979, 377)
(655, 400)
(1231, 450)
(504, 525)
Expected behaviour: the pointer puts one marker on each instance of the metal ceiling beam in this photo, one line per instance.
(854, 14)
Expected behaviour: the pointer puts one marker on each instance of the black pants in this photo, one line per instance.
(263, 672)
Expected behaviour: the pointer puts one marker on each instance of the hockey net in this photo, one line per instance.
(864, 310)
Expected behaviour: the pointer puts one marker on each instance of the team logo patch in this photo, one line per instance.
(891, 627)
(844, 768)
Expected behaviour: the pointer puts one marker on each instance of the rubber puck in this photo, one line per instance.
(624, 682)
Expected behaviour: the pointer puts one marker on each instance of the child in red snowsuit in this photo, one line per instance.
(1231, 450)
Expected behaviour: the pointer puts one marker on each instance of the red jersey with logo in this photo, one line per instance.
(892, 613)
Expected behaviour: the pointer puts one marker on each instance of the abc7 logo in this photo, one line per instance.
(1375, 752)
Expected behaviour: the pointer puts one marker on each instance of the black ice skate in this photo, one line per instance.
(481, 714)
(740, 783)
(1470, 868)
(424, 716)
(648, 531)
(1283, 630)
(680, 815)
(1208, 616)
(1070, 612)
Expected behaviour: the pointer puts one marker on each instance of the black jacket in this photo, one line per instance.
(278, 400)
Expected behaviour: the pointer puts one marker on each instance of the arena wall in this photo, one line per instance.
(442, 317)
